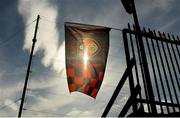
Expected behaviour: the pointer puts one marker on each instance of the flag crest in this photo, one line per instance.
(86, 50)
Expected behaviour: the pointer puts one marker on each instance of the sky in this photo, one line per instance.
(47, 93)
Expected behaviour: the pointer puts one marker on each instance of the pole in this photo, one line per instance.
(28, 69)
(144, 60)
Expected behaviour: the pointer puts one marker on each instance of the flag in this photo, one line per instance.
(86, 49)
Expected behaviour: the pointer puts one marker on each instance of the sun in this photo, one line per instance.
(85, 58)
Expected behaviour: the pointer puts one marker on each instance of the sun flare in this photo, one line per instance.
(85, 58)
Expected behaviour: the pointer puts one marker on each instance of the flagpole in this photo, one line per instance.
(144, 60)
(28, 69)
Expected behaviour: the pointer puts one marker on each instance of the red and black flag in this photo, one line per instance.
(86, 50)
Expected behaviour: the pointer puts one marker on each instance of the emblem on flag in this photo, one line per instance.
(90, 45)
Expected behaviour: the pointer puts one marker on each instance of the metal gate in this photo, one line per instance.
(162, 52)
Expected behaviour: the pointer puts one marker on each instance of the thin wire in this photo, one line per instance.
(118, 29)
(54, 19)
(101, 101)
(14, 34)
(56, 94)
(9, 104)
(43, 112)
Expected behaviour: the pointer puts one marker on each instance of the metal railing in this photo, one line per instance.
(163, 57)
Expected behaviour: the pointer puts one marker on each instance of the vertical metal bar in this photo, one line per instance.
(158, 68)
(142, 72)
(133, 52)
(119, 87)
(175, 92)
(130, 101)
(178, 38)
(131, 82)
(153, 69)
(162, 62)
(177, 64)
(178, 48)
(144, 61)
(178, 55)
(28, 69)
(168, 68)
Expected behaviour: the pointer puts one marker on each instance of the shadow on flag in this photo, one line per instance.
(86, 50)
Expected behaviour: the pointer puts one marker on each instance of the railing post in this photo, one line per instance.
(144, 60)
(126, 47)
(119, 86)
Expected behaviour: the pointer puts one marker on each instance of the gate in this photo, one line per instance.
(163, 60)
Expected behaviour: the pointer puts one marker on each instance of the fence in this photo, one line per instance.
(163, 58)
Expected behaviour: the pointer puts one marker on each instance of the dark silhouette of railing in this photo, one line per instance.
(163, 56)
(118, 89)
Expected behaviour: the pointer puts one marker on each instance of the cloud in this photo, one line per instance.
(47, 36)
(76, 112)
(163, 4)
(11, 104)
(10, 91)
(59, 60)
(170, 24)
(53, 55)
(145, 6)
(49, 91)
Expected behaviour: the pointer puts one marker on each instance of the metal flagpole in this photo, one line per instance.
(144, 60)
(28, 69)
(129, 5)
